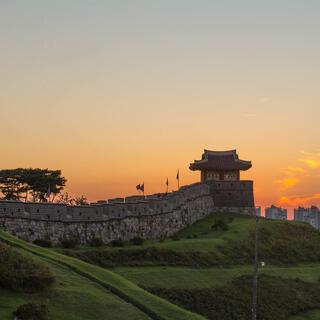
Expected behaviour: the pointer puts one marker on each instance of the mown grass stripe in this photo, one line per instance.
(154, 307)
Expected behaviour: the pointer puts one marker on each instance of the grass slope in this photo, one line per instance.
(89, 280)
(202, 246)
(202, 258)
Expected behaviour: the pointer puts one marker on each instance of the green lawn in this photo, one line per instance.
(179, 277)
(312, 315)
(72, 297)
(79, 281)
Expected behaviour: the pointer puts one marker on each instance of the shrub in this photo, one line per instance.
(45, 243)
(148, 256)
(279, 298)
(117, 243)
(137, 241)
(70, 243)
(220, 224)
(175, 238)
(96, 242)
(18, 272)
(31, 311)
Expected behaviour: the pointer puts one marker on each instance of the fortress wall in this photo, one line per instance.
(154, 216)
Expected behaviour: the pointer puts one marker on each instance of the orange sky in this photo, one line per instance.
(115, 94)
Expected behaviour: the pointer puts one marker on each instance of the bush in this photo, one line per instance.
(31, 311)
(70, 243)
(278, 298)
(117, 243)
(18, 272)
(175, 238)
(148, 256)
(96, 242)
(220, 224)
(137, 241)
(45, 243)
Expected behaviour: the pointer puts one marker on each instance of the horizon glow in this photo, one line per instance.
(115, 93)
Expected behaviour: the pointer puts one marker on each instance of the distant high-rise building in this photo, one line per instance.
(276, 213)
(309, 215)
(258, 211)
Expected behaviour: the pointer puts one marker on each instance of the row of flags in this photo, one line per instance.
(140, 186)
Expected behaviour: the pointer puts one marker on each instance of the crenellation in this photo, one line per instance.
(148, 217)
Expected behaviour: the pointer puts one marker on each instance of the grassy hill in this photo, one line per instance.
(83, 291)
(213, 258)
(204, 271)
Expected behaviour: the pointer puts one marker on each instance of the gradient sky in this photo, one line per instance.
(119, 92)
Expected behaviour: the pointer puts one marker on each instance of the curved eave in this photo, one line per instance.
(207, 166)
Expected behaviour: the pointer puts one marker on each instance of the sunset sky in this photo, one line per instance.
(114, 93)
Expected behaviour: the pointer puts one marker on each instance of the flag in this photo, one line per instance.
(142, 187)
(167, 182)
(138, 186)
(178, 179)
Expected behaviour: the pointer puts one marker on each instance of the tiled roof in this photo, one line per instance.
(220, 160)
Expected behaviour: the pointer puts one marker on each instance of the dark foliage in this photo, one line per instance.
(96, 242)
(19, 183)
(21, 273)
(137, 241)
(279, 243)
(279, 298)
(148, 256)
(117, 243)
(70, 243)
(45, 243)
(220, 224)
(31, 311)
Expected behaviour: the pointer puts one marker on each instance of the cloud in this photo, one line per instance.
(311, 163)
(312, 154)
(289, 182)
(311, 159)
(294, 201)
(250, 115)
(293, 171)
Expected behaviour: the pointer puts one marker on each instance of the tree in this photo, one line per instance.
(64, 198)
(80, 201)
(20, 182)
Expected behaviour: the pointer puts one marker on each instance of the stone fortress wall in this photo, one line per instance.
(153, 216)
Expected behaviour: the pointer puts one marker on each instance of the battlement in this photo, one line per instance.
(118, 208)
(149, 217)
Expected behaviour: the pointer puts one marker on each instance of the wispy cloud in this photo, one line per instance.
(293, 171)
(308, 165)
(293, 201)
(311, 159)
(294, 174)
(287, 183)
(311, 163)
(250, 115)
